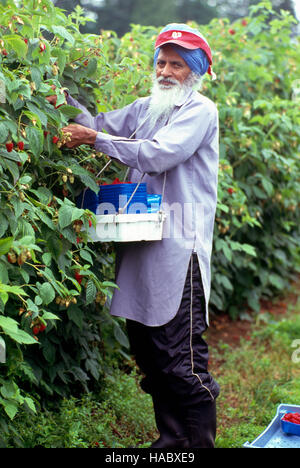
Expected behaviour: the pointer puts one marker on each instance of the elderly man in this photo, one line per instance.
(164, 286)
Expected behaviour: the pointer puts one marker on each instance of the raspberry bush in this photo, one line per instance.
(53, 284)
(58, 334)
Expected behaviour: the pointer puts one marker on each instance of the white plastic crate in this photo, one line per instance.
(128, 227)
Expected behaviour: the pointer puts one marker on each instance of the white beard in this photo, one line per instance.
(164, 99)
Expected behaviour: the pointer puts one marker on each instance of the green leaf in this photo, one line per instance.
(276, 281)
(49, 352)
(91, 291)
(86, 256)
(30, 403)
(69, 111)
(76, 315)
(10, 408)
(13, 289)
(9, 389)
(92, 67)
(64, 33)
(38, 113)
(249, 249)
(35, 138)
(15, 43)
(65, 216)
(47, 258)
(36, 76)
(47, 293)
(5, 245)
(50, 316)
(120, 336)
(4, 132)
(10, 327)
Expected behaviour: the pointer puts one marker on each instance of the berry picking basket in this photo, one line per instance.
(124, 226)
(128, 227)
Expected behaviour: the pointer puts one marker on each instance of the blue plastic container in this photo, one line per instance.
(112, 197)
(153, 203)
(289, 427)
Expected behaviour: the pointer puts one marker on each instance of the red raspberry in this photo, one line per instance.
(78, 277)
(9, 146)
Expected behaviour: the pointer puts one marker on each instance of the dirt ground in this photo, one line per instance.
(226, 330)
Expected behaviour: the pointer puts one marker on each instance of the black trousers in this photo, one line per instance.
(174, 357)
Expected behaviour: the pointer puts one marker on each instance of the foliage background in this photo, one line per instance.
(54, 285)
(118, 15)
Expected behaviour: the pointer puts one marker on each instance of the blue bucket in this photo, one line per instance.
(115, 196)
(153, 203)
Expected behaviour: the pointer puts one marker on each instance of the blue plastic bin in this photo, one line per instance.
(153, 203)
(112, 197)
(289, 427)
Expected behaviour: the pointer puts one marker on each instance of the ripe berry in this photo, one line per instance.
(230, 190)
(55, 140)
(244, 22)
(78, 277)
(36, 330)
(9, 146)
(11, 257)
(90, 223)
(21, 145)
(231, 31)
(4, 52)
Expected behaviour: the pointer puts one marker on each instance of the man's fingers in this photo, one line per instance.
(51, 99)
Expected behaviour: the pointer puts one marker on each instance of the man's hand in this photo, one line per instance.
(53, 98)
(79, 135)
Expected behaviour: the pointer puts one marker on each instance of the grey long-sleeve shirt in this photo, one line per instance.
(151, 275)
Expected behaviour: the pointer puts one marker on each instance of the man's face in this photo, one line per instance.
(170, 66)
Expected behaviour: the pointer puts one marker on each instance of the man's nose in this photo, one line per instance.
(166, 71)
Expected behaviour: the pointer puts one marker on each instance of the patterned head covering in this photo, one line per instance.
(189, 44)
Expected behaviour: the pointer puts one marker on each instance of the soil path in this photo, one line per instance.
(226, 330)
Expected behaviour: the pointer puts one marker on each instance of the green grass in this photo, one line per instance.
(255, 377)
(117, 417)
